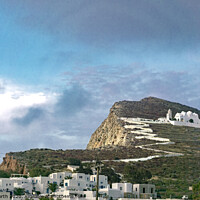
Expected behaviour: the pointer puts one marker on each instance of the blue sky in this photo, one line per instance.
(64, 63)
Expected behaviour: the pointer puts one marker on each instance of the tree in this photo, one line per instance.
(39, 171)
(68, 177)
(74, 161)
(46, 198)
(134, 175)
(196, 191)
(53, 186)
(110, 173)
(4, 174)
(19, 191)
(86, 170)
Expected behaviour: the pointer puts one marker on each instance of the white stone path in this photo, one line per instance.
(141, 128)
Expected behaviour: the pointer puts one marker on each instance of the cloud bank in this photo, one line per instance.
(105, 23)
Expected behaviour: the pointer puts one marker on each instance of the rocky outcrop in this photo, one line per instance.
(109, 133)
(114, 132)
(10, 164)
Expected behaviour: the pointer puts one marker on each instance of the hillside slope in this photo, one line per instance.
(113, 130)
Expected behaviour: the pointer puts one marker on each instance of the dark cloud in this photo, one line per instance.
(72, 100)
(134, 82)
(172, 23)
(32, 115)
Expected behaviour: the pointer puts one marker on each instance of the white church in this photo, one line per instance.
(184, 119)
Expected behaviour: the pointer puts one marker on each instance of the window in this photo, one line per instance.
(66, 184)
(143, 190)
(80, 177)
(120, 188)
(182, 119)
(151, 190)
(135, 189)
(79, 184)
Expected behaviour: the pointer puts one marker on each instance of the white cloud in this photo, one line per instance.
(38, 119)
(14, 100)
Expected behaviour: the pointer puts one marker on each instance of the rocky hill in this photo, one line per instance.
(114, 130)
(11, 164)
(170, 153)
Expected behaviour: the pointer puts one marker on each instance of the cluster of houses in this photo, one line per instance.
(182, 119)
(77, 186)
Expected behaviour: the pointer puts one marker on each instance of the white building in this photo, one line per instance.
(77, 185)
(59, 177)
(181, 119)
(169, 115)
(6, 184)
(9, 184)
(40, 184)
(144, 191)
(78, 181)
(24, 183)
(103, 181)
(72, 167)
(186, 119)
(111, 193)
(125, 188)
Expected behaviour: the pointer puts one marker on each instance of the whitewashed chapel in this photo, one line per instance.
(184, 119)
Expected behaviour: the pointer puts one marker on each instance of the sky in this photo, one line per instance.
(64, 63)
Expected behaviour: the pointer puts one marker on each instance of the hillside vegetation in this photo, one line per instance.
(111, 142)
(173, 175)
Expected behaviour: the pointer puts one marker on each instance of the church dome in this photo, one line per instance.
(183, 113)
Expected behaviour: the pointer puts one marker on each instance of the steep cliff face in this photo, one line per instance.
(10, 164)
(119, 130)
(110, 132)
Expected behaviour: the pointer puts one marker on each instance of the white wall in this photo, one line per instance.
(140, 189)
(6, 184)
(103, 181)
(178, 123)
(124, 187)
(114, 193)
